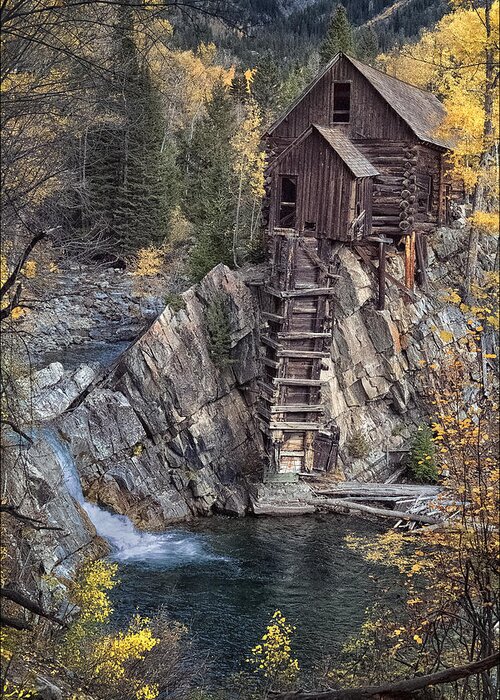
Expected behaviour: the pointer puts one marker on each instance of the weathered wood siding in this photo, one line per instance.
(371, 116)
(327, 192)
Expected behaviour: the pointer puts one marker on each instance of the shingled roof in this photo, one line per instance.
(420, 110)
(357, 163)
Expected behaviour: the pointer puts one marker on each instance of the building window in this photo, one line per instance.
(341, 102)
(424, 193)
(288, 201)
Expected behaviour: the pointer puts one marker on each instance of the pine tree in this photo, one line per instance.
(338, 36)
(132, 176)
(367, 48)
(266, 87)
(211, 187)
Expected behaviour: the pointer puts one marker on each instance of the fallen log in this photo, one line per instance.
(337, 503)
(401, 690)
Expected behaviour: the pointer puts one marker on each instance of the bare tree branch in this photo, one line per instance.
(401, 690)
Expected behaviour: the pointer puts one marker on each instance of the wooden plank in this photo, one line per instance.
(302, 354)
(272, 317)
(297, 408)
(291, 453)
(270, 363)
(270, 342)
(266, 387)
(298, 382)
(312, 292)
(301, 336)
(293, 426)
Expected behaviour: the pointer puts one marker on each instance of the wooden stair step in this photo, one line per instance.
(305, 354)
(285, 425)
(297, 408)
(291, 293)
(267, 387)
(270, 363)
(298, 382)
(301, 336)
(291, 453)
(273, 317)
(270, 342)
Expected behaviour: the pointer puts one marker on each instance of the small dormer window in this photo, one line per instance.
(341, 102)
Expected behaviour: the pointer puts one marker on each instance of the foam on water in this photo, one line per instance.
(127, 543)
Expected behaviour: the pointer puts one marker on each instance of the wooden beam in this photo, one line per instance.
(270, 342)
(297, 408)
(362, 254)
(316, 260)
(293, 426)
(381, 276)
(302, 354)
(270, 363)
(298, 382)
(272, 317)
(312, 292)
(266, 387)
(301, 336)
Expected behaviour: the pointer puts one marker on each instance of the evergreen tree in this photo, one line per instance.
(131, 172)
(367, 48)
(211, 187)
(338, 36)
(266, 87)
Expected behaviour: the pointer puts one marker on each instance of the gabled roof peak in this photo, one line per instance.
(420, 110)
(357, 163)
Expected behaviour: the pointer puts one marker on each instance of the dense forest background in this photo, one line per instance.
(131, 127)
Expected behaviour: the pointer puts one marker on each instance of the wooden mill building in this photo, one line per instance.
(355, 159)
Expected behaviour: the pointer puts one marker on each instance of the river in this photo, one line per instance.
(224, 578)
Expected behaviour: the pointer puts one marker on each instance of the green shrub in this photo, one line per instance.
(219, 332)
(175, 301)
(357, 445)
(422, 457)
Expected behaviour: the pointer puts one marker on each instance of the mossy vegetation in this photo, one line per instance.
(219, 332)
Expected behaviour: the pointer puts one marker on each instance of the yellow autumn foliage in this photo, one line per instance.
(450, 60)
(272, 658)
(148, 262)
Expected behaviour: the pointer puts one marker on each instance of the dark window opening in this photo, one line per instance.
(424, 193)
(341, 102)
(310, 226)
(288, 201)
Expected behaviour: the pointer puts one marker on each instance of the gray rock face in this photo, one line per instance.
(168, 435)
(373, 384)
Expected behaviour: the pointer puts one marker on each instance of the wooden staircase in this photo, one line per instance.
(295, 344)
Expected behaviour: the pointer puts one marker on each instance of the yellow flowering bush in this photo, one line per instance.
(272, 657)
(101, 657)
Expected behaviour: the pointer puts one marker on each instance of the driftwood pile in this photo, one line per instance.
(408, 504)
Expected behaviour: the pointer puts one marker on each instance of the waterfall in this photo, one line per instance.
(127, 543)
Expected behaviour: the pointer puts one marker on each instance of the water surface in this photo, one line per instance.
(225, 577)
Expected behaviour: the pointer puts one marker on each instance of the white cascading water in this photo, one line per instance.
(127, 543)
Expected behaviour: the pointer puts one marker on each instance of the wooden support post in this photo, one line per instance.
(410, 260)
(381, 276)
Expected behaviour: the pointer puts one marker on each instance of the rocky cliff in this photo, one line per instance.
(169, 433)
